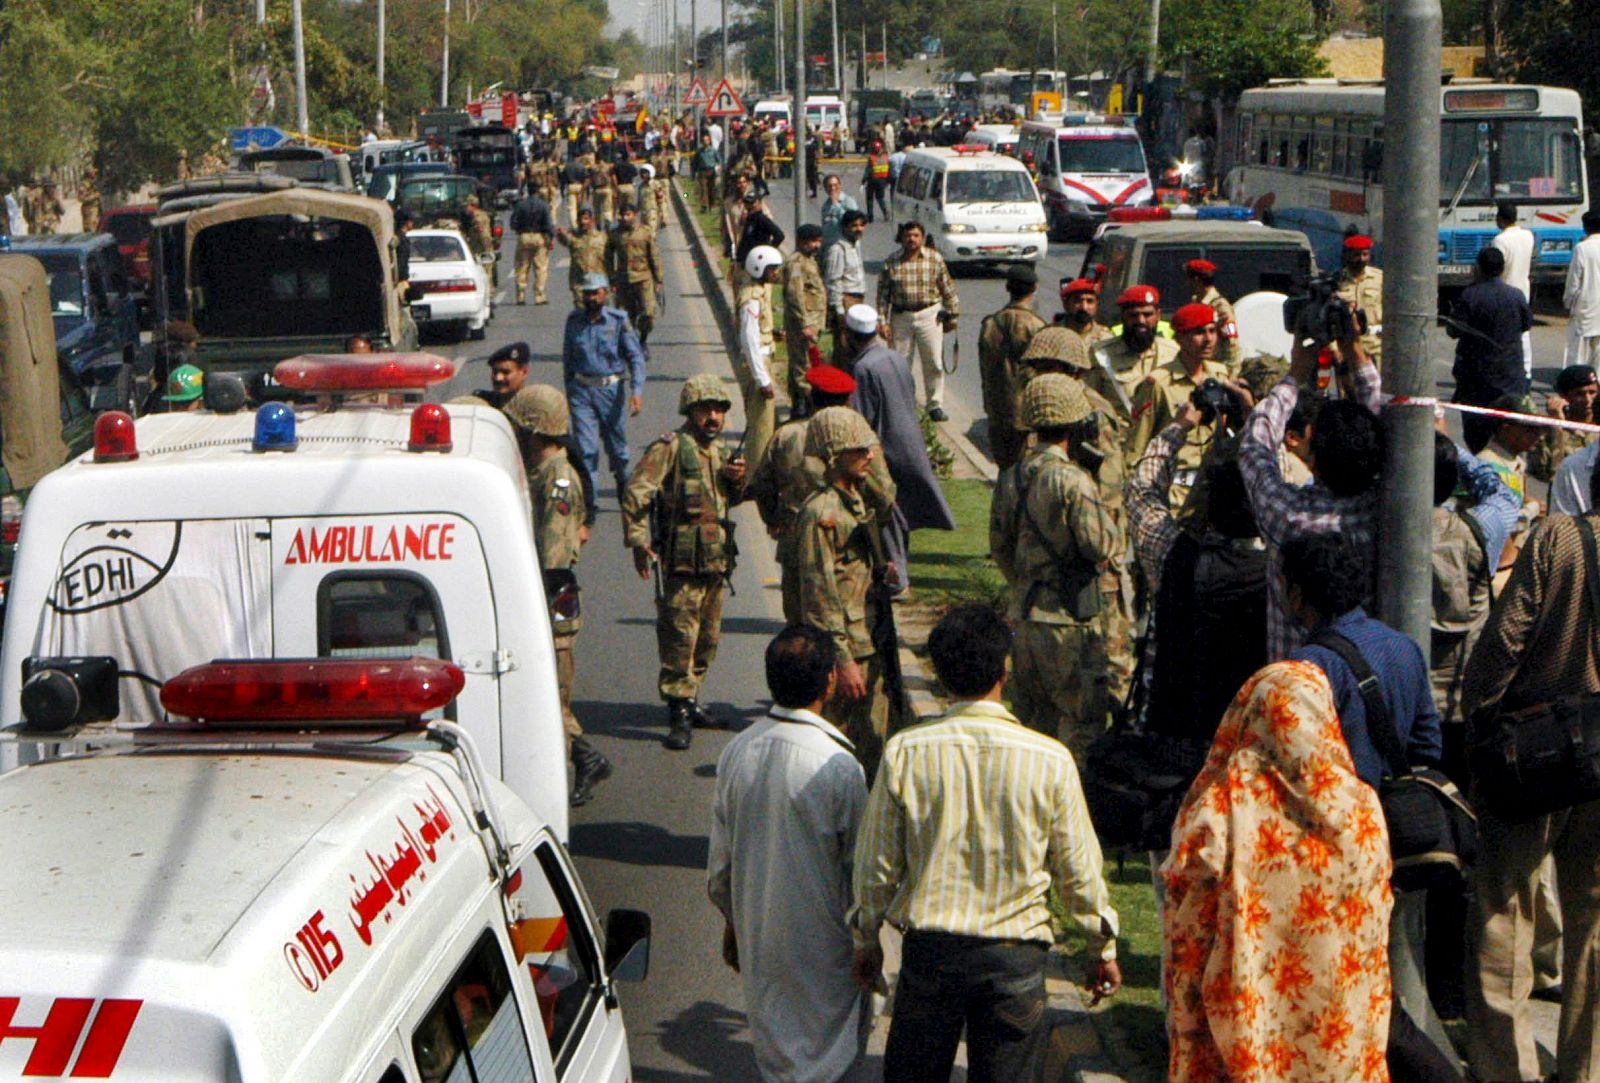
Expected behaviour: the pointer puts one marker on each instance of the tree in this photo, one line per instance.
(1230, 46)
(1554, 42)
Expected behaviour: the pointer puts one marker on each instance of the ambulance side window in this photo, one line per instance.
(473, 1032)
(559, 952)
(393, 1075)
(379, 615)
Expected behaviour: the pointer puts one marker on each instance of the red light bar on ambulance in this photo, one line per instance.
(1139, 214)
(307, 693)
(114, 439)
(363, 372)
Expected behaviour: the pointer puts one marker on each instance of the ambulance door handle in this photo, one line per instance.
(493, 663)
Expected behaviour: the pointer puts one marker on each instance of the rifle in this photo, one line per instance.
(1116, 385)
(730, 547)
(880, 601)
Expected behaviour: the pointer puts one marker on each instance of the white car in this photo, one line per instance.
(453, 283)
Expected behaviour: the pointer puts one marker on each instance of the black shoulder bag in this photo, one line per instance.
(1543, 758)
(1433, 834)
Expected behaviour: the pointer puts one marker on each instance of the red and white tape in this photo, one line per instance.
(1541, 420)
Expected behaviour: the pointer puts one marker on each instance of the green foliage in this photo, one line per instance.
(1555, 42)
(1233, 45)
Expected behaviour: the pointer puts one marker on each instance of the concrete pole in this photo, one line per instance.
(778, 50)
(261, 11)
(301, 107)
(444, 75)
(724, 39)
(1410, 302)
(677, 62)
(1151, 59)
(799, 126)
(838, 72)
(382, 33)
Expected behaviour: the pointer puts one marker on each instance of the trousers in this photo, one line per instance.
(599, 415)
(992, 988)
(865, 721)
(566, 673)
(688, 630)
(533, 253)
(760, 413)
(638, 299)
(1501, 938)
(920, 336)
(1583, 345)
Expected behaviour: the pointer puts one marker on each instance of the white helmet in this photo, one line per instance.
(648, 172)
(762, 258)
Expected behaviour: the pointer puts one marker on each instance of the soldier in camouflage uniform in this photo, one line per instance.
(44, 210)
(805, 313)
(634, 266)
(603, 193)
(89, 200)
(480, 237)
(1058, 350)
(1002, 339)
(675, 512)
(586, 250)
(650, 209)
(1053, 541)
(539, 414)
(838, 555)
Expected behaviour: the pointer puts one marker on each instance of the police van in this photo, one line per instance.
(1087, 165)
(291, 871)
(977, 206)
(330, 527)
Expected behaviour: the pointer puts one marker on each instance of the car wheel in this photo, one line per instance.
(476, 334)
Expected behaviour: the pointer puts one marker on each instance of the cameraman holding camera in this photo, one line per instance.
(1194, 375)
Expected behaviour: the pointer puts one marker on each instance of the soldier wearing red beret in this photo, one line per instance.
(1159, 398)
(1361, 284)
(1202, 274)
(1122, 363)
(1080, 303)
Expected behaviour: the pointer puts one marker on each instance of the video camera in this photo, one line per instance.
(1215, 399)
(1321, 315)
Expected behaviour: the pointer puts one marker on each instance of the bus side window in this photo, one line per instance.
(1372, 161)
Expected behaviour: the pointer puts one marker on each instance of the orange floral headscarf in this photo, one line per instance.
(1277, 912)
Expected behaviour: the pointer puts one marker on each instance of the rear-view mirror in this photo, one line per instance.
(627, 945)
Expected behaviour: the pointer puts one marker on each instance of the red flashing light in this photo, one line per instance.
(293, 692)
(363, 372)
(1139, 214)
(499, 231)
(114, 439)
(430, 428)
(969, 148)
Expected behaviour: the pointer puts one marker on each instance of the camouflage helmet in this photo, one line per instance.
(703, 387)
(540, 409)
(1059, 344)
(1052, 401)
(837, 428)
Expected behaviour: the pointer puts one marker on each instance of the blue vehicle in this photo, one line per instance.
(95, 312)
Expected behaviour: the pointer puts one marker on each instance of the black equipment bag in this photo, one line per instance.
(1544, 758)
(1134, 783)
(1433, 833)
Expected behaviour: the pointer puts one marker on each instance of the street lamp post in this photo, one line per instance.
(444, 76)
(302, 114)
(382, 5)
(798, 125)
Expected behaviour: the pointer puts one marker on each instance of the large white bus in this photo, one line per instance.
(1310, 157)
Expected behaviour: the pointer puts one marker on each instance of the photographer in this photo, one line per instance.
(1346, 453)
(1193, 376)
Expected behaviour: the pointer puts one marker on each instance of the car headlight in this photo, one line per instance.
(1035, 227)
(959, 227)
(1554, 246)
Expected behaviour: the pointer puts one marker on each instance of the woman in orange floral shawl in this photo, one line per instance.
(1277, 915)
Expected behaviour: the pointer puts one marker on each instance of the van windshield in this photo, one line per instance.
(1101, 154)
(988, 186)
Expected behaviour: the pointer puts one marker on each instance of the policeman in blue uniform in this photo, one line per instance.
(602, 365)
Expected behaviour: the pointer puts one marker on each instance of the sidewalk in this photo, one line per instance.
(1076, 1053)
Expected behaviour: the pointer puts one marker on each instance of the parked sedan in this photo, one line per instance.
(451, 285)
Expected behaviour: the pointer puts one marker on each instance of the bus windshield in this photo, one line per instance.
(1101, 154)
(1522, 158)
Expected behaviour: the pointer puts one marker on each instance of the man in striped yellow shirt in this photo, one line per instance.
(971, 818)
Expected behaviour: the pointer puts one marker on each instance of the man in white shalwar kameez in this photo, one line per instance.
(790, 795)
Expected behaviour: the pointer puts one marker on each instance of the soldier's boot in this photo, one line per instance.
(589, 768)
(680, 725)
(702, 718)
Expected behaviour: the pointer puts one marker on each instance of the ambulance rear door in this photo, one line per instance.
(374, 586)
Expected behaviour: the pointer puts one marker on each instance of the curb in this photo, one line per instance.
(1076, 1052)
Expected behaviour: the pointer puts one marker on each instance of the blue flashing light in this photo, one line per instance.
(1225, 214)
(275, 428)
(5, 242)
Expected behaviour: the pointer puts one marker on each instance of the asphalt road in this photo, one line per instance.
(643, 841)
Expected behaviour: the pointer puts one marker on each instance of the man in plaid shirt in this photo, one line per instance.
(1347, 452)
(918, 298)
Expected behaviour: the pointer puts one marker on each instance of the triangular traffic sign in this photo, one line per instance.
(724, 102)
(698, 95)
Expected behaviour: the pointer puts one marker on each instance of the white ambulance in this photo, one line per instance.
(1087, 164)
(296, 872)
(330, 528)
(978, 207)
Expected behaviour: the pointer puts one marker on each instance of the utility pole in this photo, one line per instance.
(1410, 298)
(261, 12)
(382, 93)
(886, 53)
(778, 50)
(838, 71)
(801, 135)
(444, 77)
(302, 116)
(1150, 60)
(677, 59)
(1055, 45)
(724, 39)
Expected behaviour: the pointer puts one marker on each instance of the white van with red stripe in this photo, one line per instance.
(1086, 165)
(295, 871)
(355, 522)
